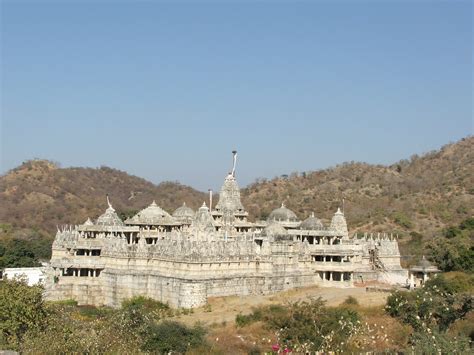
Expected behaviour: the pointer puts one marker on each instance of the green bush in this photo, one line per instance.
(263, 313)
(245, 319)
(145, 307)
(402, 219)
(350, 301)
(93, 312)
(169, 336)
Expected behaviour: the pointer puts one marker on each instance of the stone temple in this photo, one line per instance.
(187, 256)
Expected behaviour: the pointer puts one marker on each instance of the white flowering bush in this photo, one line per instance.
(310, 326)
(430, 311)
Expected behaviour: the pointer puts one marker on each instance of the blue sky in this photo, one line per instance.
(166, 90)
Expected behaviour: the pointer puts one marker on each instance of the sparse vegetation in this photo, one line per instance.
(424, 195)
(441, 312)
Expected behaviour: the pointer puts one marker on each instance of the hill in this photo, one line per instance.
(416, 198)
(423, 194)
(39, 194)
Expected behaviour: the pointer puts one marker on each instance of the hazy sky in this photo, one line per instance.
(166, 91)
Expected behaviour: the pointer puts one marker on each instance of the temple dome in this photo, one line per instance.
(274, 229)
(151, 215)
(282, 214)
(109, 218)
(184, 212)
(311, 223)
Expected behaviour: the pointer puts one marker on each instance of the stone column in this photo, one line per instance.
(330, 275)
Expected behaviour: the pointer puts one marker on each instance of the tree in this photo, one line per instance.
(21, 309)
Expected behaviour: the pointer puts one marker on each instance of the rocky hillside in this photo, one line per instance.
(39, 194)
(422, 194)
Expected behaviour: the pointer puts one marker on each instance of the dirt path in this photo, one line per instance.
(224, 309)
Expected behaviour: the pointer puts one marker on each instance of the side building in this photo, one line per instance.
(185, 257)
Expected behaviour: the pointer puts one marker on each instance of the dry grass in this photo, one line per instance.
(225, 309)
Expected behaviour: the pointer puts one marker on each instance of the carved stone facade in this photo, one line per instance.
(185, 257)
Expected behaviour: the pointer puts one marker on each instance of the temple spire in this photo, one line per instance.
(108, 202)
(234, 152)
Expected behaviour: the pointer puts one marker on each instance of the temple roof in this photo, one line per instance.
(184, 212)
(311, 223)
(282, 214)
(152, 215)
(110, 217)
(274, 229)
(88, 222)
(424, 266)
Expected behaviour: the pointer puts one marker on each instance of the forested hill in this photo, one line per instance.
(38, 194)
(423, 194)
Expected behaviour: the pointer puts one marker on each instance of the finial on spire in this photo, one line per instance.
(210, 199)
(108, 201)
(234, 152)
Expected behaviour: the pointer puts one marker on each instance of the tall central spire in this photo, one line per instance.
(229, 197)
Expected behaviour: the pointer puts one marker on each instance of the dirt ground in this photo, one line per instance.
(224, 309)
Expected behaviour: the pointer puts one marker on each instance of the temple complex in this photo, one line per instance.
(187, 256)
